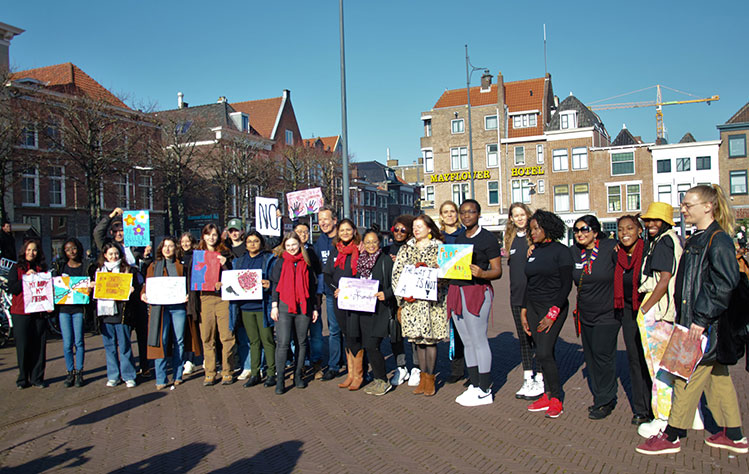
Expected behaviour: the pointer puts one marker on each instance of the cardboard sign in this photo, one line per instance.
(419, 283)
(682, 355)
(454, 261)
(71, 289)
(357, 294)
(166, 290)
(205, 270)
(304, 202)
(266, 221)
(241, 285)
(113, 286)
(38, 294)
(136, 228)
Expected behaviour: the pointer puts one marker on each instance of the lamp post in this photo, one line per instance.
(470, 68)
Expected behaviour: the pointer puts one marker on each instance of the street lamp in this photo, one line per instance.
(470, 69)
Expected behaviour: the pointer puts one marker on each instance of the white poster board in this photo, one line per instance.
(357, 294)
(241, 285)
(166, 290)
(266, 221)
(38, 293)
(419, 283)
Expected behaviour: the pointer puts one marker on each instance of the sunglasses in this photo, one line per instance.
(585, 229)
(400, 230)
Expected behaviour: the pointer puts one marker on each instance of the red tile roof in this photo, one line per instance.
(67, 76)
(263, 113)
(456, 97)
(329, 143)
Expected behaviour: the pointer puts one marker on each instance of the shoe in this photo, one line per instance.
(188, 368)
(468, 393)
(413, 378)
(523, 392)
(648, 430)
(70, 379)
(358, 375)
(177, 382)
(146, 374)
(721, 441)
(542, 404)
(299, 381)
(601, 412)
(429, 388)
(252, 381)
(279, 385)
(659, 444)
(160, 386)
(209, 381)
(638, 419)
(419, 388)
(270, 381)
(399, 376)
(79, 378)
(227, 380)
(130, 383)
(39, 385)
(245, 374)
(349, 370)
(381, 388)
(555, 408)
(477, 397)
(329, 374)
(536, 389)
(112, 383)
(317, 371)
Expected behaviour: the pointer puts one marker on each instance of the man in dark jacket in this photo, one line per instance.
(7, 242)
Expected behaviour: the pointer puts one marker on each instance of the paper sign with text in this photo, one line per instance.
(205, 270)
(454, 261)
(71, 289)
(266, 221)
(38, 294)
(357, 294)
(241, 285)
(419, 283)
(166, 290)
(304, 202)
(136, 228)
(112, 286)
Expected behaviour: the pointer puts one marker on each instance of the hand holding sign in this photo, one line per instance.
(418, 283)
(38, 294)
(304, 202)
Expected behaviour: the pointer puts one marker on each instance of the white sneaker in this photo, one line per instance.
(535, 390)
(523, 392)
(476, 397)
(245, 374)
(698, 424)
(111, 383)
(414, 378)
(466, 394)
(652, 428)
(189, 367)
(400, 376)
(130, 383)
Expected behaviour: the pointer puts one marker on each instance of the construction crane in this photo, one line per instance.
(658, 104)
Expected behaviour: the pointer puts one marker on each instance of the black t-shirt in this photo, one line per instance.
(518, 258)
(549, 273)
(628, 283)
(74, 272)
(595, 295)
(661, 259)
(238, 251)
(485, 248)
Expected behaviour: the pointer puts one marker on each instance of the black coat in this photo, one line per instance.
(377, 323)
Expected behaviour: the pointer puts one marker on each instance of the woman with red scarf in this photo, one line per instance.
(626, 303)
(342, 262)
(293, 304)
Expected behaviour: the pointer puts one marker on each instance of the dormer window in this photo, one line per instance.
(567, 119)
(241, 121)
(524, 120)
(245, 123)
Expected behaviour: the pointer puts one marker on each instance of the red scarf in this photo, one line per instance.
(349, 249)
(293, 287)
(623, 264)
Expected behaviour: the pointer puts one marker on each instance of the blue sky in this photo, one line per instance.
(400, 56)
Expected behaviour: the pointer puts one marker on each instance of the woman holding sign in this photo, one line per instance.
(29, 328)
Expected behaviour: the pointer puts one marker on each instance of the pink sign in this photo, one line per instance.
(38, 293)
(304, 202)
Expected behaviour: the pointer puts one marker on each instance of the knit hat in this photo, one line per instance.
(660, 210)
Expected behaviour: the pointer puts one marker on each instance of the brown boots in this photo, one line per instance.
(355, 373)
(349, 371)
(426, 385)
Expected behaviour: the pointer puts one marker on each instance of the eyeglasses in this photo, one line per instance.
(400, 230)
(690, 206)
(468, 211)
(584, 229)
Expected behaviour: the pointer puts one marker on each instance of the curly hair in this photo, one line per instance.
(551, 224)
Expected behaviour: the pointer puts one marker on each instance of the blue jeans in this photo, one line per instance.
(316, 341)
(119, 351)
(243, 348)
(334, 334)
(71, 325)
(172, 316)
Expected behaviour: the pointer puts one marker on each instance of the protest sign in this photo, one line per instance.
(682, 355)
(205, 270)
(136, 228)
(357, 294)
(71, 289)
(419, 283)
(38, 294)
(454, 261)
(113, 286)
(306, 201)
(266, 221)
(165, 290)
(241, 285)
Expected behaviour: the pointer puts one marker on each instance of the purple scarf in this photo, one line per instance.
(366, 262)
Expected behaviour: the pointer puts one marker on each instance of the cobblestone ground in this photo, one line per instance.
(326, 429)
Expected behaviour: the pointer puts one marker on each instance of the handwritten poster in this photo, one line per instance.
(241, 285)
(205, 270)
(304, 202)
(113, 286)
(266, 221)
(682, 355)
(71, 289)
(166, 290)
(38, 294)
(357, 294)
(136, 227)
(454, 261)
(419, 283)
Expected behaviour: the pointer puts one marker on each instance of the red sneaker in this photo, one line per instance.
(721, 441)
(659, 444)
(555, 408)
(542, 404)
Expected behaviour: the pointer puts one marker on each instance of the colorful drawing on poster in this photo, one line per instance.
(113, 286)
(454, 261)
(304, 202)
(38, 294)
(71, 289)
(241, 285)
(682, 355)
(205, 270)
(266, 220)
(419, 283)
(357, 294)
(136, 228)
(166, 290)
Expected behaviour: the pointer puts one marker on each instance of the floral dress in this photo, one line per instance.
(423, 322)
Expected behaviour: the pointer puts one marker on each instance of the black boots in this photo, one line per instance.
(70, 379)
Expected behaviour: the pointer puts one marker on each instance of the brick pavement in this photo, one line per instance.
(326, 429)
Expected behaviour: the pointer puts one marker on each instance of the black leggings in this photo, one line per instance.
(527, 345)
(288, 322)
(545, 343)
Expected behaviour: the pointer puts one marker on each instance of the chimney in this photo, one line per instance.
(7, 32)
(286, 94)
(486, 81)
(221, 100)
(180, 100)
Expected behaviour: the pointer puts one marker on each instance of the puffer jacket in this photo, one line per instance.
(708, 274)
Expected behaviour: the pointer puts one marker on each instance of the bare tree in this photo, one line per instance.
(326, 171)
(11, 131)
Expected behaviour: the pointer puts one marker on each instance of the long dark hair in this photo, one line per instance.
(254, 233)
(39, 261)
(78, 245)
(160, 255)
(124, 267)
(207, 229)
(356, 238)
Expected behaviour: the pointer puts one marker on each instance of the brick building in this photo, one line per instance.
(734, 162)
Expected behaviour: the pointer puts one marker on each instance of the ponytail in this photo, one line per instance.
(722, 210)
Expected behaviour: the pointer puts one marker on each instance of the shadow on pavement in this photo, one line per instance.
(281, 458)
(53, 461)
(183, 459)
(117, 408)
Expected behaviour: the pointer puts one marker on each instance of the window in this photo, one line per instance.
(703, 163)
(579, 158)
(428, 127)
(519, 155)
(429, 194)
(54, 137)
(428, 161)
(664, 166)
(30, 187)
(541, 186)
(458, 126)
(145, 192)
(56, 186)
(29, 138)
(521, 190)
(622, 163)
(459, 158)
(490, 122)
(460, 193)
(289, 137)
(736, 145)
(492, 155)
(539, 154)
(493, 189)
(614, 198)
(246, 123)
(562, 198)
(738, 182)
(524, 120)
(559, 160)
(567, 120)
(682, 190)
(683, 164)
(633, 197)
(122, 191)
(664, 193)
(182, 127)
(581, 197)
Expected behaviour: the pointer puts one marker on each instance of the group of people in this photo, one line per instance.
(643, 282)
